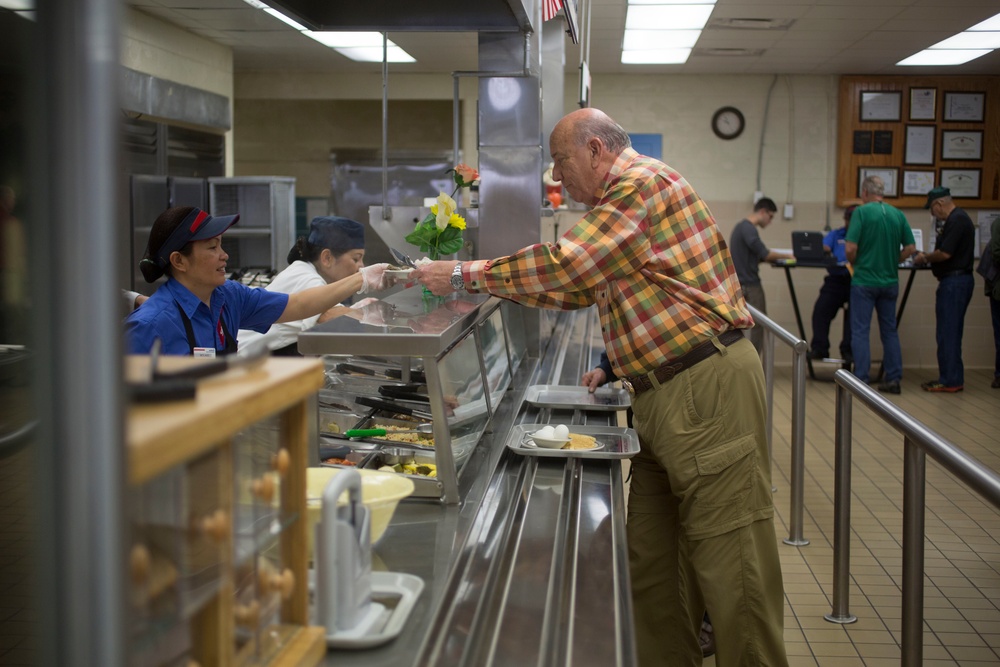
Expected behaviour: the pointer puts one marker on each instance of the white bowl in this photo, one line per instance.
(549, 443)
(380, 492)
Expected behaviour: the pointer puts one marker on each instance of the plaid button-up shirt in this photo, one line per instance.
(649, 254)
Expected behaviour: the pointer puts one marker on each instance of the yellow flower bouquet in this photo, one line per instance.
(440, 233)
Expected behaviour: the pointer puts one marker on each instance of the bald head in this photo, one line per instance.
(584, 145)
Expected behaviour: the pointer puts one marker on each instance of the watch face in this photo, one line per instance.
(728, 123)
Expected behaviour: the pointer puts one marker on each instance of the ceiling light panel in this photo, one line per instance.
(637, 40)
(992, 23)
(943, 57)
(672, 17)
(656, 57)
(971, 40)
(336, 39)
(373, 54)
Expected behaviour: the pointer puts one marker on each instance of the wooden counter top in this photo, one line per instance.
(160, 436)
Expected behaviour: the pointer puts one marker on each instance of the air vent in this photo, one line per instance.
(727, 53)
(751, 24)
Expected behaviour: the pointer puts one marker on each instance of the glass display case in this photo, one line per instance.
(414, 359)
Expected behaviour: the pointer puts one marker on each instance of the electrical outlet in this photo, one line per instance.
(789, 211)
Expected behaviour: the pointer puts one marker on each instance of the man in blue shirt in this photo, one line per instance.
(833, 295)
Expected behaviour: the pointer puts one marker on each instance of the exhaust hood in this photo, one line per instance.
(407, 15)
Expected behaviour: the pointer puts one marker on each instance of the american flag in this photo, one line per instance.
(550, 8)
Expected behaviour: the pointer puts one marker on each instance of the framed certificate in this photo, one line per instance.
(887, 174)
(962, 182)
(919, 144)
(923, 103)
(961, 144)
(881, 105)
(917, 182)
(964, 107)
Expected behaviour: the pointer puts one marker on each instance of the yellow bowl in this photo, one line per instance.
(380, 493)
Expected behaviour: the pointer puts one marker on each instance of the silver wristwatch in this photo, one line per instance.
(457, 282)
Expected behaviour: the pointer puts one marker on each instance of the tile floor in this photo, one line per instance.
(962, 558)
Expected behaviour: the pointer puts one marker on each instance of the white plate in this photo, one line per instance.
(614, 442)
(398, 274)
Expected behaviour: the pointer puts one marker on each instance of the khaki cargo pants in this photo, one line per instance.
(700, 517)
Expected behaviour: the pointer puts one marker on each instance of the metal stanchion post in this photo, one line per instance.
(795, 537)
(842, 511)
(914, 469)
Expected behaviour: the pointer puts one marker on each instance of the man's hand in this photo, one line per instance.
(594, 379)
(436, 277)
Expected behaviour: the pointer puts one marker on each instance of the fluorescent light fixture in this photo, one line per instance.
(373, 54)
(671, 2)
(673, 17)
(637, 40)
(656, 57)
(338, 39)
(992, 23)
(944, 56)
(17, 5)
(284, 19)
(970, 40)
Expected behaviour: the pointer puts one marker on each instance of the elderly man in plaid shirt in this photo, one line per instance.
(700, 515)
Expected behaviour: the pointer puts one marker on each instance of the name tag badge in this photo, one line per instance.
(205, 352)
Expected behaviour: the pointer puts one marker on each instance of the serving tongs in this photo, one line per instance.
(387, 373)
(406, 392)
(386, 406)
(403, 258)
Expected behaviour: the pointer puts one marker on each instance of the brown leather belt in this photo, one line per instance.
(637, 384)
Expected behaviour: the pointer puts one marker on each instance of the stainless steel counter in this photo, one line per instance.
(530, 568)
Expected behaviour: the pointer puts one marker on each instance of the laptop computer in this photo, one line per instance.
(808, 247)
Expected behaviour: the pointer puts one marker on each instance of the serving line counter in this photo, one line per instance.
(523, 556)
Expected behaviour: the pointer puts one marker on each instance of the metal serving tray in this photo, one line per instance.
(615, 442)
(577, 398)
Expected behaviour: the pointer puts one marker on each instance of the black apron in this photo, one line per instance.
(228, 337)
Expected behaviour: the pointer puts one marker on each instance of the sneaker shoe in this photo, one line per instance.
(937, 387)
(889, 387)
(996, 383)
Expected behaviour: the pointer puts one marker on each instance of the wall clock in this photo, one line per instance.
(728, 123)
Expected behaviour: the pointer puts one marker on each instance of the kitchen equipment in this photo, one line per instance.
(405, 392)
(345, 583)
(403, 258)
(380, 493)
(423, 429)
(387, 373)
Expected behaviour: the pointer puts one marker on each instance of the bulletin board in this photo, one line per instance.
(918, 133)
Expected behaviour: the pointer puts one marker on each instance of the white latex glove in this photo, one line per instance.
(374, 278)
(363, 303)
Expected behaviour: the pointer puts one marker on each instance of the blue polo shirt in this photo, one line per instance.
(239, 306)
(836, 242)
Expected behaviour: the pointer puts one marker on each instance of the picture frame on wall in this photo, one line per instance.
(923, 103)
(963, 183)
(964, 107)
(919, 145)
(889, 176)
(879, 105)
(917, 182)
(962, 145)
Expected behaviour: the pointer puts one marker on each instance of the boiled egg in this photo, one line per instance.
(546, 432)
(560, 432)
